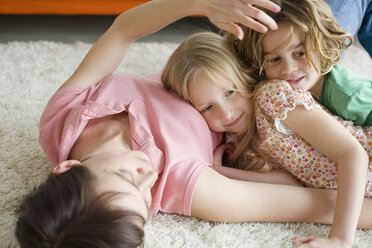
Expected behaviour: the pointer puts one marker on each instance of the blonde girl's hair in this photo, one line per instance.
(207, 54)
(324, 39)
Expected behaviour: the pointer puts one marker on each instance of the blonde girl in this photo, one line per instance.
(305, 51)
(276, 125)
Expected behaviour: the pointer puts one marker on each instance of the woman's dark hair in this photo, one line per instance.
(65, 212)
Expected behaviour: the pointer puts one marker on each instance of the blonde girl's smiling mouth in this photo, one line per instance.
(235, 122)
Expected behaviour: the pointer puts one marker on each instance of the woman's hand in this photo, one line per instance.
(227, 14)
(310, 242)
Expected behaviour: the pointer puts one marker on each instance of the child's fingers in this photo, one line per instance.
(217, 155)
(300, 242)
(302, 239)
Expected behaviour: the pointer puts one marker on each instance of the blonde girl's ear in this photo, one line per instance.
(64, 166)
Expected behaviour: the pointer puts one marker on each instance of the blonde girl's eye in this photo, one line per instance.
(229, 92)
(206, 109)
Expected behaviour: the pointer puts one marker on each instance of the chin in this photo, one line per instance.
(240, 130)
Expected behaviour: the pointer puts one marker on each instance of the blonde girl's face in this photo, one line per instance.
(224, 109)
(288, 63)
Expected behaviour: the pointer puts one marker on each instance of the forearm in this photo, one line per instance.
(333, 140)
(105, 56)
(107, 53)
(217, 198)
(274, 176)
(351, 174)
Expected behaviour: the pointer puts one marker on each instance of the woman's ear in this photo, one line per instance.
(64, 166)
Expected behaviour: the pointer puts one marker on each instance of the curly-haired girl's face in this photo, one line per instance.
(289, 62)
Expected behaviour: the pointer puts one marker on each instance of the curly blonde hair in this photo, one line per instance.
(324, 39)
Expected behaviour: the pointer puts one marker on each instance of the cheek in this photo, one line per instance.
(314, 75)
(305, 66)
(271, 72)
(213, 123)
(242, 103)
(249, 111)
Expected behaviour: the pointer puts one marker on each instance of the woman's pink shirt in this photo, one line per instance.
(170, 131)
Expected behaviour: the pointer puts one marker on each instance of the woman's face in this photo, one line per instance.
(288, 63)
(128, 173)
(224, 109)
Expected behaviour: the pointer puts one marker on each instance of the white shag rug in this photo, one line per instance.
(30, 72)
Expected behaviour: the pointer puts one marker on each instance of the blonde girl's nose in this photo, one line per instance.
(226, 112)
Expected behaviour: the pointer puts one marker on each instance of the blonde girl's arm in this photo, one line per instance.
(327, 135)
(107, 53)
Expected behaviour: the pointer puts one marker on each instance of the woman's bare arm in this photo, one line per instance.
(218, 198)
(107, 53)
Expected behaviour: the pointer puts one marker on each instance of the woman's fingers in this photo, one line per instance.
(255, 18)
(231, 28)
(266, 4)
(226, 14)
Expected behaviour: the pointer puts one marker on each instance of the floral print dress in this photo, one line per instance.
(290, 151)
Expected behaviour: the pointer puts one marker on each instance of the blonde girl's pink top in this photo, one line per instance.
(290, 151)
(170, 131)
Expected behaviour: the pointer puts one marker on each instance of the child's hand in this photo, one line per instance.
(310, 242)
(218, 154)
(226, 13)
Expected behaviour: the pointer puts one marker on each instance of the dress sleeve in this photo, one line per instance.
(275, 98)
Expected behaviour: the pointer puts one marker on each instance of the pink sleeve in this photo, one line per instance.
(276, 98)
(58, 101)
(179, 188)
(52, 121)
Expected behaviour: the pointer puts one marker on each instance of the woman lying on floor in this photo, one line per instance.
(121, 150)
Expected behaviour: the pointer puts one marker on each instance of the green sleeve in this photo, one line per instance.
(348, 95)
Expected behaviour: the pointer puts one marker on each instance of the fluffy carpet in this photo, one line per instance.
(30, 72)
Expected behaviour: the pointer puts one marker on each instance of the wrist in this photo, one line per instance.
(196, 7)
(341, 242)
(187, 7)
